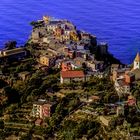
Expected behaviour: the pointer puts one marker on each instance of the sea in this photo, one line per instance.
(116, 22)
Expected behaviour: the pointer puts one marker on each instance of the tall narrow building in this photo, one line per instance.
(137, 62)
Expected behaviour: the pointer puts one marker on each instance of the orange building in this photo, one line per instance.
(129, 77)
(66, 66)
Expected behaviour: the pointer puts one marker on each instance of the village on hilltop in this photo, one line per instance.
(63, 80)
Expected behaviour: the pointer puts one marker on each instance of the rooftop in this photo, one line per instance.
(73, 74)
(137, 58)
(43, 102)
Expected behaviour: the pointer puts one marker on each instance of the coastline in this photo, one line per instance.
(64, 79)
(107, 56)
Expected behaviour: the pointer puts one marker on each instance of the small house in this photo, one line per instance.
(71, 76)
(24, 75)
(47, 60)
(42, 109)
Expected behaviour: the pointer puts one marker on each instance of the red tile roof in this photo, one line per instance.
(95, 97)
(72, 74)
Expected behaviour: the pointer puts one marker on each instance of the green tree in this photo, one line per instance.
(11, 94)
(2, 83)
(1, 124)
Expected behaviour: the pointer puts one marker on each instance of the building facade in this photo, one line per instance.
(137, 62)
(42, 109)
(72, 76)
(47, 60)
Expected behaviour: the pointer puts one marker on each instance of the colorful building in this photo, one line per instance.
(129, 77)
(69, 65)
(42, 109)
(66, 66)
(72, 76)
(74, 36)
(47, 60)
(58, 32)
(120, 73)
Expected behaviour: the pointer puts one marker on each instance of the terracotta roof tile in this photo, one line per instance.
(72, 74)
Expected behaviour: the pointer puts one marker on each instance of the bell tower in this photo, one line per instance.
(137, 62)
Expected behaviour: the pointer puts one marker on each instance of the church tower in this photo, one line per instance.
(137, 62)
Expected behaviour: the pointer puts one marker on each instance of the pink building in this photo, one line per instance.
(42, 109)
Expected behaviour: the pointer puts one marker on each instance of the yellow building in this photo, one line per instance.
(47, 60)
(65, 37)
(74, 36)
(46, 19)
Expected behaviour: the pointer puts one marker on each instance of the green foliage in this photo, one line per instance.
(11, 94)
(51, 82)
(102, 87)
(25, 137)
(136, 91)
(37, 85)
(2, 83)
(26, 66)
(1, 124)
(72, 130)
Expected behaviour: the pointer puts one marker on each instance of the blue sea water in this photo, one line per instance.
(116, 22)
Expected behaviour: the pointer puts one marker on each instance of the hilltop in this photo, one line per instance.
(63, 84)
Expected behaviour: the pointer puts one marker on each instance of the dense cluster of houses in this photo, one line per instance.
(68, 48)
(125, 79)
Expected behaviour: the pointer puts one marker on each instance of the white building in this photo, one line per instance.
(137, 62)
